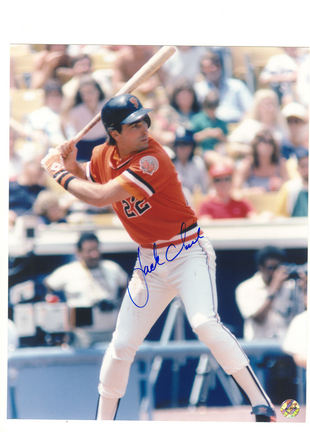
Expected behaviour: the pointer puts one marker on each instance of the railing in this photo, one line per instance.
(224, 234)
(56, 383)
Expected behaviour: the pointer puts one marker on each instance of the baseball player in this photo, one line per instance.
(133, 172)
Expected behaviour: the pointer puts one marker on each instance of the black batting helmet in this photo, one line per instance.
(123, 109)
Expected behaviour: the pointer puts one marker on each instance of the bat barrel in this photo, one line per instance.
(144, 73)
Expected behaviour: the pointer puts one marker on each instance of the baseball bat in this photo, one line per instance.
(145, 72)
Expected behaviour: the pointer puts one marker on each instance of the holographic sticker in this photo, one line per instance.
(290, 408)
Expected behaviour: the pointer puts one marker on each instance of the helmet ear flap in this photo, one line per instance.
(148, 120)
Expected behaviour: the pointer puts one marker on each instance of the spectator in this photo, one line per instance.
(269, 299)
(49, 208)
(263, 170)
(47, 119)
(90, 285)
(52, 62)
(190, 167)
(280, 73)
(296, 339)
(25, 189)
(292, 200)
(185, 103)
(297, 119)
(15, 160)
(183, 66)
(235, 98)
(128, 61)
(88, 102)
(264, 114)
(164, 118)
(303, 81)
(210, 132)
(82, 66)
(221, 203)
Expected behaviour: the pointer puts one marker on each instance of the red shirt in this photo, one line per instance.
(230, 210)
(156, 206)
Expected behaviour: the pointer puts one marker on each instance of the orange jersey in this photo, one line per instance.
(156, 206)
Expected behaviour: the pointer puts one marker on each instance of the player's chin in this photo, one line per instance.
(143, 143)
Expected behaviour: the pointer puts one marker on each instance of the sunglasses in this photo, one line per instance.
(222, 179)
(292, 120)
(271, 267)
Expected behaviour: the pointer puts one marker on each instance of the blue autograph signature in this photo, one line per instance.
(150, 269)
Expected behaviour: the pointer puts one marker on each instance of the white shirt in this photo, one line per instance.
(84, 287)
(79, 117)
(235, 98)
(250, 297)
(184, 65)
(279, 63)
(296, 339)
(48, 121)
(248, 128)
(192, 174)
(303, 82)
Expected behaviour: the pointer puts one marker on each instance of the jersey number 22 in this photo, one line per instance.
(134, 208)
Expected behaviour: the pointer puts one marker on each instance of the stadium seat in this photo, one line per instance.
(22, 62)
(239, 69)
(254, 57)
(259, 56)
(24, 101)
(100, 62)
(19, 50)
(262, 202)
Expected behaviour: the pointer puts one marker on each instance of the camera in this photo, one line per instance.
(294, 270)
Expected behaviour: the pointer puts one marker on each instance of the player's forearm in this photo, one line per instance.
(90, 193)
(99, 195)
(78, 170)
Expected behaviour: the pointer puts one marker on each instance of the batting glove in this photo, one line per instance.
(53, 164)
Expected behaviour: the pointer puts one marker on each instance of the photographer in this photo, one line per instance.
(92, 289)
(271, 297)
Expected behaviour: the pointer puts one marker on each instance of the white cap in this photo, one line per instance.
(295, 109)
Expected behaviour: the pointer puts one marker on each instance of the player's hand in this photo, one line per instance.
(53, 163)
(68, 152)
(66, 148)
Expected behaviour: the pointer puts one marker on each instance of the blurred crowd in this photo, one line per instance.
(246, 109)
(234, 121)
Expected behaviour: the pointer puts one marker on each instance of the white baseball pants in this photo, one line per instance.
(191, 276)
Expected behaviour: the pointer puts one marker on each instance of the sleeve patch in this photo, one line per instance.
(149, 164)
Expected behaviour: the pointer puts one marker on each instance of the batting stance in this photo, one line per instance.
(132, 172)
